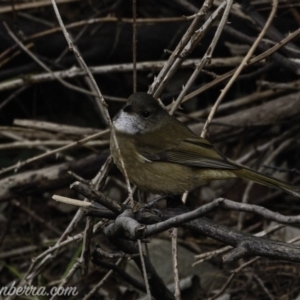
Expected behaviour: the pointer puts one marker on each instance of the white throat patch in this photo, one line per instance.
(128, 123)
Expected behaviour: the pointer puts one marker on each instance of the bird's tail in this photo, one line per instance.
(267, 181)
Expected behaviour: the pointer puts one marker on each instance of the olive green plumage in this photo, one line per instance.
(162, 155)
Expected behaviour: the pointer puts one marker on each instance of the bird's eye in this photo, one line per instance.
(146, 114)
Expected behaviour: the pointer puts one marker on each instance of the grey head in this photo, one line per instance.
(141, 114)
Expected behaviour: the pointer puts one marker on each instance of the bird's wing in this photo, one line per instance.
(193, 152)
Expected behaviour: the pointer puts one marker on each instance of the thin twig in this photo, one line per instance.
(67, 278)
(21, 164)
(134, 36)
(144, 269)
(30, 5)
(38, 61)
(243, 266)
(37, 144)
(161, 80)
(239, 69)
(108, 19)
(35, 216)
(252, 61)
(100, 100)
(86, 246)
(231, 277)
(206, 58)
(267, 160)
(174, 237)
(74, 71)
(101, 282)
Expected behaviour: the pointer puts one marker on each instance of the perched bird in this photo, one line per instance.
(163, 156)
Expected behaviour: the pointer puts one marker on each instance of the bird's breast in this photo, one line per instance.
(153, 176)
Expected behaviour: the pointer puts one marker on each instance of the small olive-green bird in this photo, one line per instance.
(163, 156)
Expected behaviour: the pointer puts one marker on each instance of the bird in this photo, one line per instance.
(163, 156)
